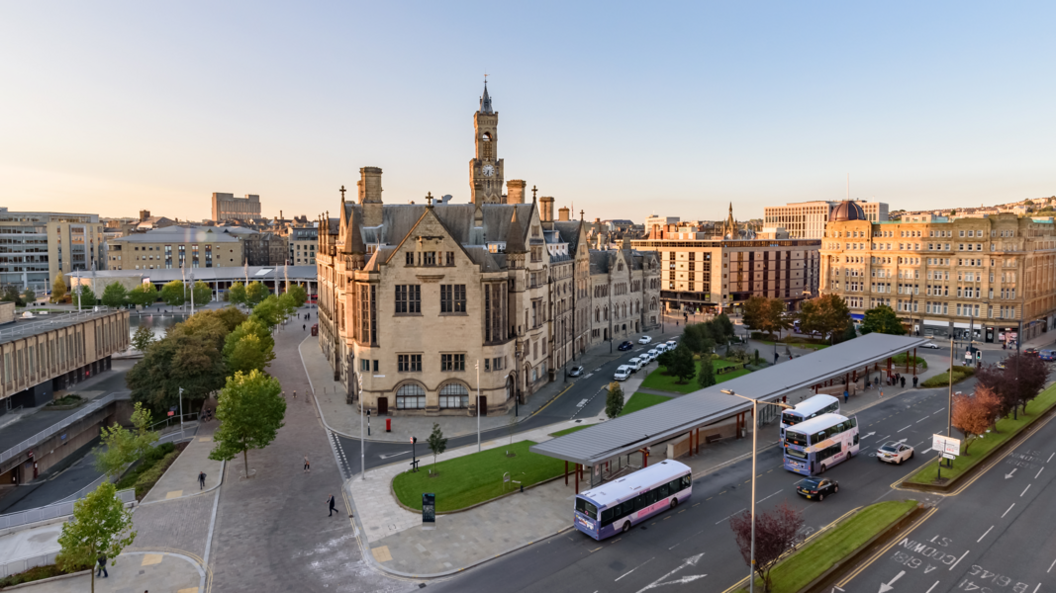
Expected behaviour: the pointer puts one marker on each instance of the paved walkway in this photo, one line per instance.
(164, 572)
(181, 479)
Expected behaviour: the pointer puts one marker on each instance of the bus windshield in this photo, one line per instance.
(796, 438)
(809, 409)
(587, 508)
(820, 443)
(790, 418)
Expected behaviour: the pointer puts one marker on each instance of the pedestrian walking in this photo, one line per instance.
(294, 394)
(903, 381)
(330, 501)
(307, 466)
(201, 480)
(102, 567)
(846, 396)
(915, 378)
(303, 327)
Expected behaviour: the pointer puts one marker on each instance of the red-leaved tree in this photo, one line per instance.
(775, 533)
(975, 414)
(1020, 381)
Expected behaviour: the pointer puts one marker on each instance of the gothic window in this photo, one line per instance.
(454, 395)
(410, 397)
(486, 146)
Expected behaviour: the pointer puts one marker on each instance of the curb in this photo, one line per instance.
(223, 467)
(472, 506)
(48, 580)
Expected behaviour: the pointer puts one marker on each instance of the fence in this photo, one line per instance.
(63, 508)
(24, 564)
(90, 408)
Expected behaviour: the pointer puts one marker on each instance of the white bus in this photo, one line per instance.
(812, 408)
(618, 505)
(815, 445)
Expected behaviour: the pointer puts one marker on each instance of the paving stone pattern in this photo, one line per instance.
(177, 525)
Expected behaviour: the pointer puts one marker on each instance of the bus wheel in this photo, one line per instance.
(822, 469)
(626, 526)
(674, 502)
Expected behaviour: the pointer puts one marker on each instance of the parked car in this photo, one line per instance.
(1000, 364)
(817, 488)
(894, 452)
(636, 363)
(625, 346)
(672, 344)
(645, 358)
(931, 345)
(575, 371)
(622, 373)
(1047, 355)
(644, 340)
(653, 354)
(661, 347)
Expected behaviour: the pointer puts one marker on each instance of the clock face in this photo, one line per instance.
(488, 170)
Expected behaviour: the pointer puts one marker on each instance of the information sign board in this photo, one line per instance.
(947, 446)
(428, 507)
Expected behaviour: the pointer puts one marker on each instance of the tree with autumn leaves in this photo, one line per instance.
(1021, 380)
(776, 532)
(976, 413)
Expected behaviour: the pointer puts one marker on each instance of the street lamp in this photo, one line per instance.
(755, 431)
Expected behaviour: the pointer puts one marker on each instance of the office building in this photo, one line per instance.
(36, 246)
(806, 220)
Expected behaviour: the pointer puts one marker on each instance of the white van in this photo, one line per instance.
(622, 373)
(635, 364)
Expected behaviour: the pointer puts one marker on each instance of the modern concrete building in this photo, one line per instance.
(806, 220)
(176, 247)
(302, 240)
(228, 207)
(35, 246)
(971, 276)
(275, 278)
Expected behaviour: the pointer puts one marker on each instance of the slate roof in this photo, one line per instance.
(181, 234)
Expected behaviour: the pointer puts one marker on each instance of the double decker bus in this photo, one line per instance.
(812, 408)
(619, 505)
(815, 445)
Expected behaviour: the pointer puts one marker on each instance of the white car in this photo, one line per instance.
(653, 354)
(644, 340)
(894, 452)
(672, 344)
(661, 347)
(636, 363)
(931, 345)
(622, 373)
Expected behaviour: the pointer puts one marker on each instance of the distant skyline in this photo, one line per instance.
(622, 110)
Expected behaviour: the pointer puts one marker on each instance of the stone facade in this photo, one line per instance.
(176, 247)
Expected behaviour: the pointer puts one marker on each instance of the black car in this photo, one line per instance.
(625, 346)
(575, 371)
(817, 488)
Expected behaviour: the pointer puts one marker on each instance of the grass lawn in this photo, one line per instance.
(474, 478)
(795, 572)
(640, 401)
(562, 433)
(658, 380)
(943, 380)
(980, 449)
(899, 360)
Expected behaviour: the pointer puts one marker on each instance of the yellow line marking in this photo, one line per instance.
(615, 540)
(188, 590)
(594, 550)
(149, 559)
(207, 439)
(381, 553)
(708, 498)
(556, 397)
(723, 492)
(174, 494)
(699, 503)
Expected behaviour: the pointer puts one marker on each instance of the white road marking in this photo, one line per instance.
(939, 410)
(1037, 587)
(932, 587)
(1039, 472)
(884, 438)
(1024, 491)
(1050, 458)
(1050, 566)
(921, 420)
(1006, 512)
(635, 568)
(588, 375)
(691, 561)
(885, 587)
(984, 535)
(925, 451)
(959, 560)
(771, 496)
(901, 429)
(728, 518)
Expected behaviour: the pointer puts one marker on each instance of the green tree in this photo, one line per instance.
(722, 327)
(299, 294)
(192, 361)
(115, 295)
(882, 320)
(287, 304)
(230, 316)
(121, 447)
(706, 376)
(682, 365)
(825, 314)
(29, 295)
(100, 526)
(249, 354)
(255, 293)
(614, 400)
(11, 295)
(849, 334)
(84, 297)
(143, 338)
(250, 327)
(698, 337)
(250, 410)
(437, 443)
(202, 293)
(269, 311)
(766, 315)
(143, 295)
(173, 293)
(237, 294)
(58, 288)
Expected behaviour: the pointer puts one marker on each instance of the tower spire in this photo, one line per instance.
(485, 101)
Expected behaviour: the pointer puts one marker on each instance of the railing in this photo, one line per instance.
(93, 406)
(24, 564)
(63, 508)
(41, 322)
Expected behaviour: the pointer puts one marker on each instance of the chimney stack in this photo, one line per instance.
(515, 191)
(369, 185)
(546, 210)
(562, 214)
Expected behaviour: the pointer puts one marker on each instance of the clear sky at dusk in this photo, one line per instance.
(623, 109)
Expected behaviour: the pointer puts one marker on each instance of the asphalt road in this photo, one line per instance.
(996, 536)
(694, 543)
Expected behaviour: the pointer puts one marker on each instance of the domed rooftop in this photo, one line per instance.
(847, 211)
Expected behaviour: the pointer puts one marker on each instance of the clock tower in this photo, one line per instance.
(485, 171)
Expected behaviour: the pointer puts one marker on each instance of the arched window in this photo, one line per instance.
(410, 397)
(454, 395)
(606, 311)
(597, 314)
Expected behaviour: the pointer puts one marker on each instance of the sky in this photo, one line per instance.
(620, 109)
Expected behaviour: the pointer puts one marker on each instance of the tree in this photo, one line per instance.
(849, 334)
(249, 354)
(299, 294)
(664, 360)
(250, 409)
(143, 338)
(237, 294)
(882, 320)
(173, 293)
(269, 311)
(698, 337)
(722, 327)
(681, 364)
(287, 304)
(1020, 381)
(755, 313)
(115, 295)
(975, 414)
(614, 400)
(202, 293)
(83, 296)
(29, 295)
(437, 443)
(826, 314)
(706, 377)
(231, 317)
(255, 293)
(58, 288)
(11, 295)
(143, 295)
(776, 531)
(100, 525)
(766, 315)
(192, 361)
(122, 446)
(254, 327)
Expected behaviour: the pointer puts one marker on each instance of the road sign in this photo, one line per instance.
(946, 445)
(428, 507)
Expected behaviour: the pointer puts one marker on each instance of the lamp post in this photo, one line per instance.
(755, 420)
(362, 440)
